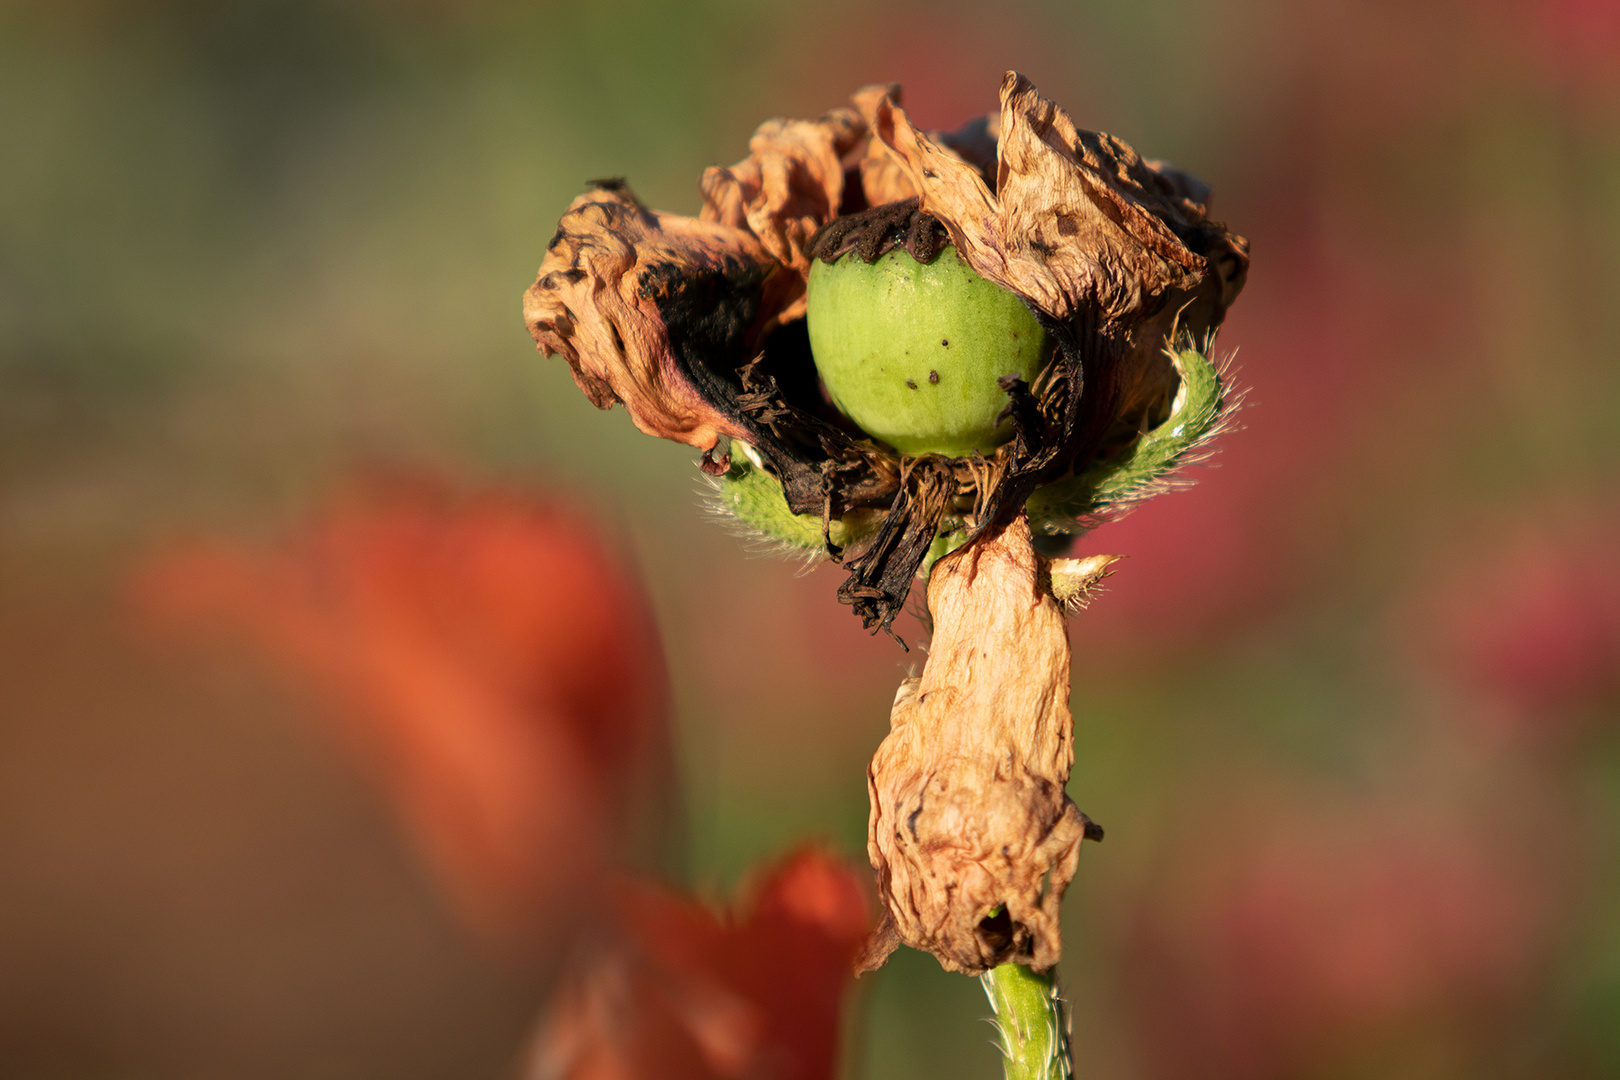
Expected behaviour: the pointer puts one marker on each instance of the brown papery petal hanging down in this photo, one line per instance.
(972, 836)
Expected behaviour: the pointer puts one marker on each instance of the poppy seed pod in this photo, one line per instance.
(919, 352)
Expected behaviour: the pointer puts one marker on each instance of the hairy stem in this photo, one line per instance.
(1032, 1020)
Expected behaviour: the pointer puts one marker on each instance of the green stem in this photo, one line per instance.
(1033, 1023)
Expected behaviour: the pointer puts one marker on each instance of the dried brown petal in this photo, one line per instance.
(632, 298)
(792, 181)
(885, 177)
(1076, 221)
(972, 836)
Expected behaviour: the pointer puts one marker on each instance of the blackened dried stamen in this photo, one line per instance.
(880, 578)
(1022, 410)
(925, 237)
(873, 233)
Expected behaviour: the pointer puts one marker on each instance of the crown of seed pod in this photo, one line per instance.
(913, 351)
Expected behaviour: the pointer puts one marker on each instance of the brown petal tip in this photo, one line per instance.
(639, 303)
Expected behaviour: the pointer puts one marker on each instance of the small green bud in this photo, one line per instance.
(912, 351)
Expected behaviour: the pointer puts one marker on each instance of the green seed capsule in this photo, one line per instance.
(912, 351)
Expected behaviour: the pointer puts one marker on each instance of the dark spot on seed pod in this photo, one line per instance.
(945, 342)
(933, 376)
(912, 383)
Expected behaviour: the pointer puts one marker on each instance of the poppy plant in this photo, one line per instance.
(920, 353)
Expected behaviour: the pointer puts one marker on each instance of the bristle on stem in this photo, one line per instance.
(1032, 1021)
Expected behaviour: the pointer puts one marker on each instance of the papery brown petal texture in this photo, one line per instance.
(969, 814)
(629, 296)
(792, 181)
(886, 178)
(1076, 219)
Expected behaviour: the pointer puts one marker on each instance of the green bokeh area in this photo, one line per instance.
(1347, 710)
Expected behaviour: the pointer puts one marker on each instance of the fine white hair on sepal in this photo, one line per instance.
(717, 502)
(1202, 410)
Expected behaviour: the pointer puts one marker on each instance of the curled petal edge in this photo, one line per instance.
(632, 298)
(1077, 221)
(792, 181)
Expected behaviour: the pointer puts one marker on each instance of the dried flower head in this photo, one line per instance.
(698, 325)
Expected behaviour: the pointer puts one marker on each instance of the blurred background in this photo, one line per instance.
(1350, 710)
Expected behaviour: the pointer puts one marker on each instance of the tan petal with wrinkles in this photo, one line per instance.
(885, 177)
(1077, 221)
(619, 281)
(792, 181)
(969, 815)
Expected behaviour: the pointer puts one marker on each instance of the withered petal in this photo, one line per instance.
(1077, 220)
(972, 836)
(885, 177)
(792, 181)
(630, 296)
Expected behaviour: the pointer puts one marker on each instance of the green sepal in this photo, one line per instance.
(1106, 489)
(754, 497)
